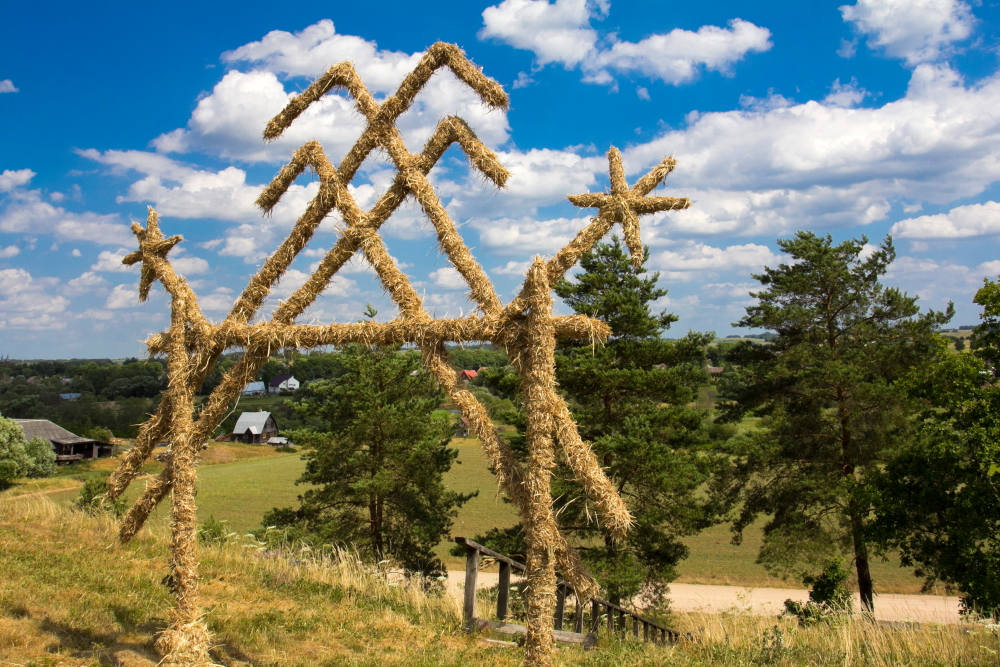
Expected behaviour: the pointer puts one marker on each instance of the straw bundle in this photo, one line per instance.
(526, 326)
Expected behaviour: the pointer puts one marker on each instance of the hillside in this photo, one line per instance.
(71, 596)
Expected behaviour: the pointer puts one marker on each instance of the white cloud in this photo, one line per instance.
(112, 261)
(511, 268)
(221, 299)
(25, 302)
(448, 277)
(7, 86)
(122, 296)
(916, 31)
(187, 266)
(9, 251)
(518, 237)
(84, 283)
(11, 179)
(959, 222)
(642, 93)
(27, 212)
(76, 253)
(560, 32)
(229, 121)
(695, 259)
(846, 95)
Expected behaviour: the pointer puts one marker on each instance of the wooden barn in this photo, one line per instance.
(254, 428)
(68, 446)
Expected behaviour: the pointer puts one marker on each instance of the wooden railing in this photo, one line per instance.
(602, 612)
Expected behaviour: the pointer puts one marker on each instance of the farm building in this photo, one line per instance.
(254, 428)
(467, 375)
(280, 383)
(254, 389)
(68, 446)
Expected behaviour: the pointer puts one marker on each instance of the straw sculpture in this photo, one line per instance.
(526, 327)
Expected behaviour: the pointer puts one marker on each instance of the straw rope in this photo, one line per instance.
(526, 326)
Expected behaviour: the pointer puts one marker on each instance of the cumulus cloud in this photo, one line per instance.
(7, 86)
(26, 302)
(228, 122)
(111, 260)
(27, 213)
(11, 179)
(560, 32)
(915, 31)
(122, 296)
(9, 251)
(88, 281)
(448, 277)
(959, 222)
(697, 259)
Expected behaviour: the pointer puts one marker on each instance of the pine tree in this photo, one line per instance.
(826, 388)
(378, 464)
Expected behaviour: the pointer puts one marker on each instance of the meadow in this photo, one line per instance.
(302, 608)
(238, 483)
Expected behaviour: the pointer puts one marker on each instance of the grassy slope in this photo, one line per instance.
(239, 483)
(70, 596)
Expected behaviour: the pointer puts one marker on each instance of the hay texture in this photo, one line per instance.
(525, 326)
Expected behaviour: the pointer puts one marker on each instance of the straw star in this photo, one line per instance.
(152, 245)
(624, 205)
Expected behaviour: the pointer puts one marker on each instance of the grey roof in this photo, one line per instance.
(252, 421)
(43, 428)
(278, 379)
(254, 386)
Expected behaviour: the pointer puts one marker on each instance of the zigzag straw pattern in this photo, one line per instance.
(525, 327)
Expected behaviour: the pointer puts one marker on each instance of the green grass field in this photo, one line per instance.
(239, 489)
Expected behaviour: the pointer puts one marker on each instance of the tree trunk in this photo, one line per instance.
(865, 587)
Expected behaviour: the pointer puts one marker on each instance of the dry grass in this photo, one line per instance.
(71, 595)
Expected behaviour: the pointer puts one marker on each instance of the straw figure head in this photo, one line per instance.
(525, 326)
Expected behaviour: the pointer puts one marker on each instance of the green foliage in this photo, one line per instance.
(14, 460)
(467, 358)
(214, 532)
(377, 463)
(959, 344)
(41, 458)
(985, 338)
(938, 500)
(91, 499)
(829, 597)
(827, 389)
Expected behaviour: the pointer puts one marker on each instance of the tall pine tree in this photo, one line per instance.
(828, 392)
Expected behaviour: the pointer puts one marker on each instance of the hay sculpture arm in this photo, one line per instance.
(526, 327)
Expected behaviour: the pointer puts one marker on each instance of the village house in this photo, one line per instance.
(280, 383)
(254, 428)
(68, 446)
(254, 389)
(465, 376)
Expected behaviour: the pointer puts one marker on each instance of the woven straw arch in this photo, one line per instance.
(526, 327)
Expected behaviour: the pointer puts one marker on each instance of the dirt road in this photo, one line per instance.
(770, 601)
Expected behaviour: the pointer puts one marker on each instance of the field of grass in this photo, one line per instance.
(239, 483)
(71, 596)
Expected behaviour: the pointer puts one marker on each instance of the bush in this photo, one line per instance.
(829, 597)
(8, 473)
(41, 458)
(214, 531)
(91, 499)
(285, 449)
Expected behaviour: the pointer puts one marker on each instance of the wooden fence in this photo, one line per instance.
(602, 613)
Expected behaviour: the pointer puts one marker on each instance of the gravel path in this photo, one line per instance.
(770, 601)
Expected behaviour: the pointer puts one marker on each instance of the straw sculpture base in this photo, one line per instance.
(525, 327)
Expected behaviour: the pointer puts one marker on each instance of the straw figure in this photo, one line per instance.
(526, 327)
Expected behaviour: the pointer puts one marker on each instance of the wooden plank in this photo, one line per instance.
(595, 615)
(560, 608)
(471, 574)
(635, 627)
(578, 621)
(469, 544)
(587, 640)
(503, 594)
(645, 631)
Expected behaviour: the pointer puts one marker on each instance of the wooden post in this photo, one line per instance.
(578, 621)
(635, 627)
(645, 631)
(611, 620)
(471, 573)
(622, 626)
(503, 595)
(560, 607)
(663, 636)
(595, 616)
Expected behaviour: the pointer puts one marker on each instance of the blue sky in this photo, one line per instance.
(874, 117)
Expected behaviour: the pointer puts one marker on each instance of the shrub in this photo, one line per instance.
(91, 498)
(41, 458)
(214, 531)
(829, 597)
